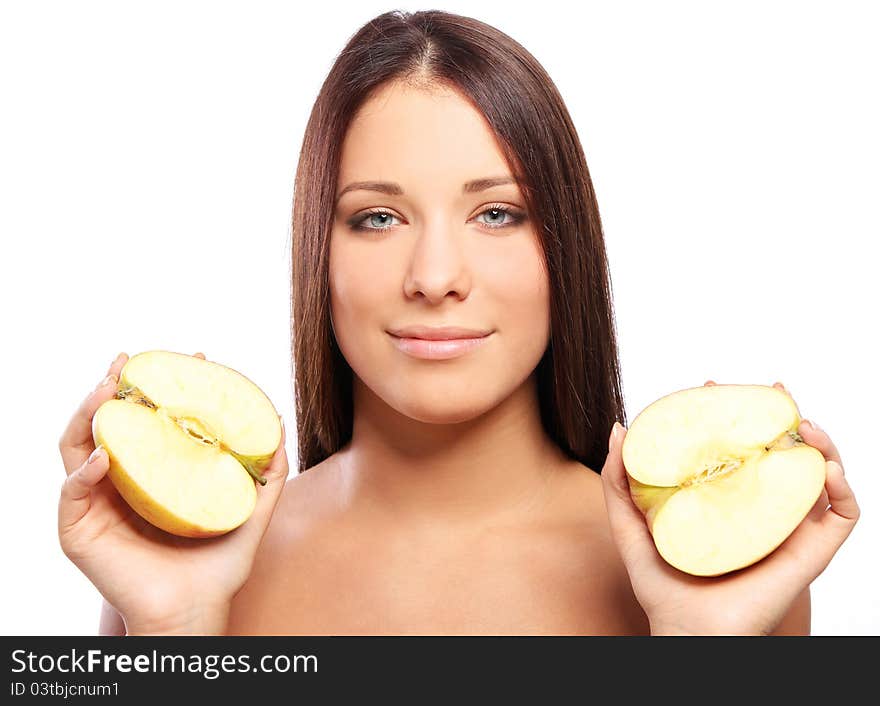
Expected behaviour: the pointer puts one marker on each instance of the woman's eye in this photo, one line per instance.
(498, 217)
(378, 220)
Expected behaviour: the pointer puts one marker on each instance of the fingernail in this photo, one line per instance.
(616, 434)
(813, 425)
(106, 380)
(95, 454)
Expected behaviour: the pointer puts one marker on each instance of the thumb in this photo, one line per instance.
(76, 491)
(267, 495)
(628, 526)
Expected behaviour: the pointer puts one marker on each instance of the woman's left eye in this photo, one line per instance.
(495, 212)
(500, 210)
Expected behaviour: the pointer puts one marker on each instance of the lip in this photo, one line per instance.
(438, 333)
(438, 348)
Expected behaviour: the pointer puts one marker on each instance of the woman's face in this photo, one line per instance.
(445, 258)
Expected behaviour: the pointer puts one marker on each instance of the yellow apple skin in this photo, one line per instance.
(649, 498)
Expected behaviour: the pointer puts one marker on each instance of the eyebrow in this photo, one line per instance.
(389, 187)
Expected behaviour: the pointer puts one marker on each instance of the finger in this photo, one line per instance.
(817, 438)
(813, 544)
(76, 443)
(251, 532)
(76, 491)
(628, 526)
(199, 355)
(841, 497)
(709, 383)
(819, 507)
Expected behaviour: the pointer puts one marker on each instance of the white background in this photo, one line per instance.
(147, 155)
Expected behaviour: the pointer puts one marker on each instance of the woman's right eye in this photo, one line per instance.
(357, 222)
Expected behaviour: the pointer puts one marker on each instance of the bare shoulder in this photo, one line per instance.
(581, 505)
(561, 569)
(307, 504)
(294, 542)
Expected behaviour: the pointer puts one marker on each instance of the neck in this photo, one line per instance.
(477, 472)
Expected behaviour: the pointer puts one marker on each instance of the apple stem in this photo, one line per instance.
(785, 441)
(256, 476)
(133, 394)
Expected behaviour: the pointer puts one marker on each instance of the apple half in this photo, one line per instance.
(721, 475)
(186, 439)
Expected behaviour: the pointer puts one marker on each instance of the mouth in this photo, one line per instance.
(439, 333)
(438, 349)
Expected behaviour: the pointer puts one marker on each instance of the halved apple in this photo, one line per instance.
(186, 439)
(721, 475)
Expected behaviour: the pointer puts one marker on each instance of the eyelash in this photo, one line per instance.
(517, 216)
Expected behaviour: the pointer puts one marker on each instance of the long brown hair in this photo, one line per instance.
(579, 375)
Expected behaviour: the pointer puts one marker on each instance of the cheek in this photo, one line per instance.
(517, 285)
(358, 296)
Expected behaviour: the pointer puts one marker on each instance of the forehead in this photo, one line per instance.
(412, 135)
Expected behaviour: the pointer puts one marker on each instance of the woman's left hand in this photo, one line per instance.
(752, 600)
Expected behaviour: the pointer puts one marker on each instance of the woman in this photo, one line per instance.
(451, 488)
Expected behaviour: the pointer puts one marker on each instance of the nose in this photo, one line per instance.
(439, 262)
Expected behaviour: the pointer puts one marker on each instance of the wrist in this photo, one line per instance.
(199, 620)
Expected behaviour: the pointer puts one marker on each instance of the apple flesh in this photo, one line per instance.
(721, 475)
(186, 439)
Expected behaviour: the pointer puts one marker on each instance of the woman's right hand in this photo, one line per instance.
(160, 583)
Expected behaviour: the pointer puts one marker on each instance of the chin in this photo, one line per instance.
(446, 408)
